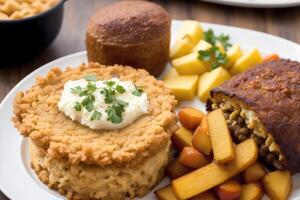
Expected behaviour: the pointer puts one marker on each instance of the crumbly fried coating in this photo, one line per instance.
(36, 115)
(272, 91)
(87, 182)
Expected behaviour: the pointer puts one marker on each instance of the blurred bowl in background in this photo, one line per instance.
(22, 39)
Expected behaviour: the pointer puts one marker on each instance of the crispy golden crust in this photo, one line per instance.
(272, 91)
(134, 33)
(36, 115)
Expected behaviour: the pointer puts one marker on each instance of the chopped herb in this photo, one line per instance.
(210, 37)
(76, 90)
(137, 92)
(120, 89)
(96, 115)
(214, 55)
(90, 77)
(113, 116)
(110, 83)
(77, 106)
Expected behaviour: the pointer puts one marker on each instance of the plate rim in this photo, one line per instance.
(82, 53)
(255, 4)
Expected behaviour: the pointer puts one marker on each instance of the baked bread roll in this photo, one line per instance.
(134, 33)
(264, 103)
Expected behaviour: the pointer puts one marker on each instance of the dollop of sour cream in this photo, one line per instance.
(136, 107)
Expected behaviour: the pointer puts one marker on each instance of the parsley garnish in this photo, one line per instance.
(210, 37)
(90, 77)
(137, 92)
(214, 55)
(115, 108)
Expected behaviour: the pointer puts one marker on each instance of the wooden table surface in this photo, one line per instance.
(281, 22)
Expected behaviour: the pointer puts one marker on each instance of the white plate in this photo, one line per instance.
(258, 3)
(19, 182)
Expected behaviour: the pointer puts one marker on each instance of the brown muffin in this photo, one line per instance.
(134, 33)
(266, 101)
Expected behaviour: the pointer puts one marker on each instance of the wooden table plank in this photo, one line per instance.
(282, 22)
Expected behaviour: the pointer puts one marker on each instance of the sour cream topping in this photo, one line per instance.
(136, 105)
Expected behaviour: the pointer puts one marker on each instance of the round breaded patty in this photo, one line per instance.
(36, 115)
(86, 182)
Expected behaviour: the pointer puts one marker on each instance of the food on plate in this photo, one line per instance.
(175, 169)
(182, 138)
(209, 80)
(262, 104)
(192, 158)
(278, 184)
(214, 174)
(19, 9)
(201, 45)
(204, 124)
(271, 57)
(229, 190)
(222, 145)
(201, 141)
(246, 61)
(191, 29)
(251, 191)
(171, 73)
(134, 33)
(189, 65)
(254, 173)
(183, 87)
(165, 193)
(233, 54)
(190, 117)
(182, 47)
(208, 195)
(84, 161)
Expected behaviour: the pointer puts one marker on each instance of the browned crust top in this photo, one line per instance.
(272, 91)
(36, 115)
(129, 22)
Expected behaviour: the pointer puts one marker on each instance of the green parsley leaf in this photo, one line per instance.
(120, 89)
(110, 83)
(122, 103)
(210, 37)
(137, 92)
(113, 115)
(96, 115)
(214, 56)
(76, 90)
(204, 55)
(77, 106)
(90, 77)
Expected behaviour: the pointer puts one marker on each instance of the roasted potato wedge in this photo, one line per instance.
(182, 138)
(221, 140)
(208, 195)
(165, 193)
(278, 185)
(251, 191)
(201, 141)
(254, 173)
(214, 174)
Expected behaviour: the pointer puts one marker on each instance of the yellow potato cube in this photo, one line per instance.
(201, 45)
(182, 138)
(172, 73)
(189, 65)
(210, 80)
(165, 193)
(246, 61)
(278, 185)
(191, 28)
(233, 54)
(183, 87)
(182, 47)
